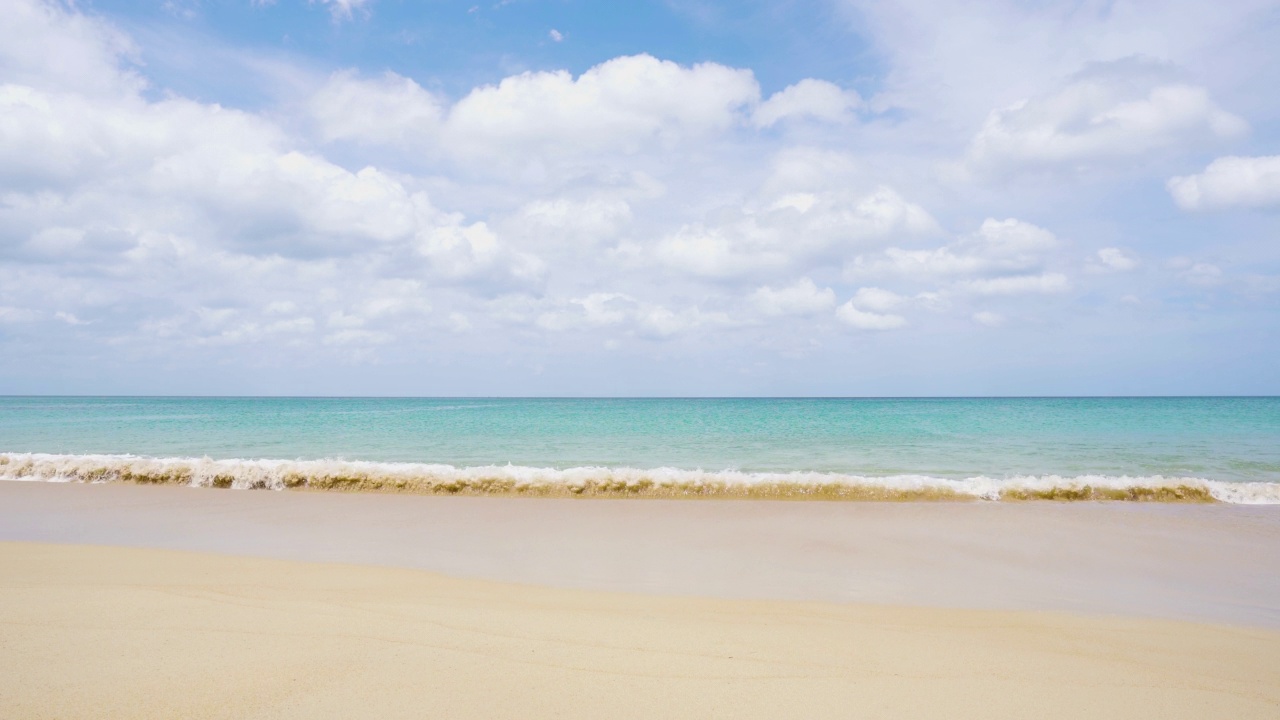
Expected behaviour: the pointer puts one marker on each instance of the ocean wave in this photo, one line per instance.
(614, 482)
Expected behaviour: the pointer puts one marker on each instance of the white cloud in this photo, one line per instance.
(130, 166)
(313, 204)
(620, 105)
(809, 98)
(582, 222)
(660, 322)
(794, 230)
(231, 168)
(592, 311)
(864, 320)
(623, 313)
(1230, 182)
(950, 63)
(1044, 283)
(801, 298)
(556, 35)
(536, 122)
(712, 252)
(345, 9)
(363, 216)
(868, 310)
(1107, 111)
(385, 110)
(52, 138)
(50, 46)
(205, 226)
(657, 321)
(998, 246)
(877, 299)
(227, 326)
(1115, 259)
(354, 337)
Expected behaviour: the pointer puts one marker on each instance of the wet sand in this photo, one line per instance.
(1215, 563)
(140, 602)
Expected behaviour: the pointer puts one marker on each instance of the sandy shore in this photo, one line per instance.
(1188, 562)
(142, 633)
(126, 601)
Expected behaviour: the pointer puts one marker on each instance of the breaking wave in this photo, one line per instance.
(433, 479)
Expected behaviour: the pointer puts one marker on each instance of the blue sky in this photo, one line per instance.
(454, 46)
(838, 197)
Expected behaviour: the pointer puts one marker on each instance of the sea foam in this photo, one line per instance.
(439, 479)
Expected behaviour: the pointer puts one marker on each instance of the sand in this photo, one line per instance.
(140, 602)
(143, 633)
(1188, 562)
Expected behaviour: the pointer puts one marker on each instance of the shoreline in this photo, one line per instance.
(92, 631)
(1209, 563)
(619, 482)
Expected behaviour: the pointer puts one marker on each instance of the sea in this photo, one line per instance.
(1171, 449)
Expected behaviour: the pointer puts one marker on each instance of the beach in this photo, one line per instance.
(128, 601)
(662, 359)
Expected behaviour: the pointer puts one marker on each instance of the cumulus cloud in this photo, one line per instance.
(801, 298)
(625, 314)
(42, 44)
(794, 230)
(624, 106)
(207, 223)
(365, 215)
(869, 308)
(1107, 111)
(809, 98)
(620, 105)
(721, 252)
(877, 299)
(592, 311)
(998, 246)
(230, 177)
(849, 314)
(582, 222)
(389, 109)
(951, 63)
(660, 322)
(1114, 260)
(1230, 182)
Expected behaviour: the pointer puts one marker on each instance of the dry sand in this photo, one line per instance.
(94, 632)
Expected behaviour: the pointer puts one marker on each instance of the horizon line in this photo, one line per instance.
(634, 397)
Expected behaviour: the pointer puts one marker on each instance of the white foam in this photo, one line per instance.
(283, 474)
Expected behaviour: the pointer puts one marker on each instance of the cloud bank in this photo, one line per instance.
(640, 208)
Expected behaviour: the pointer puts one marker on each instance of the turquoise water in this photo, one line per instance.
(1220, 439)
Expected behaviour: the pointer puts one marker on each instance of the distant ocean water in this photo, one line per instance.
(1225, 449)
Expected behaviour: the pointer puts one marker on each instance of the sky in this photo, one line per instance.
(666, 197)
